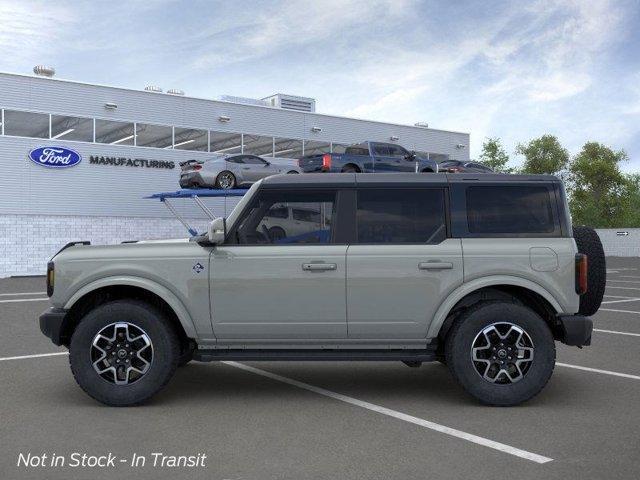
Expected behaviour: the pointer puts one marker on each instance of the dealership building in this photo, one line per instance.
(128, 144)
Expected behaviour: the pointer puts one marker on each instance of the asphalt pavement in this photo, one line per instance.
(326, 420)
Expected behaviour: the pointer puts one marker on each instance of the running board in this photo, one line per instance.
(427, 355)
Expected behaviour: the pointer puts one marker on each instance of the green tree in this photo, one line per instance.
(600, 192)
(544, 155)
(494, 155)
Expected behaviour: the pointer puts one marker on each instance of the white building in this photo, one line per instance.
(147, 133)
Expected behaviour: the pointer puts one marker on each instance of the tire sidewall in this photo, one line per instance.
(166, 352)
(459, 345)
(226, 172)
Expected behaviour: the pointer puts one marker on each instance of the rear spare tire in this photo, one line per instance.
(589, 243)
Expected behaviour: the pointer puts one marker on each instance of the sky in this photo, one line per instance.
(513, 70)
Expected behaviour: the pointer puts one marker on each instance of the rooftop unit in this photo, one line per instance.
(244, 100)
(291, 102)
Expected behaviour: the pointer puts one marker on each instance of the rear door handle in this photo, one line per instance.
(435, 265)
(319, 267)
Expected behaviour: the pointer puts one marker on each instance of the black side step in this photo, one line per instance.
(426, 355)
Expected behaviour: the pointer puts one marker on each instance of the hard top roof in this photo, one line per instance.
(398, 179)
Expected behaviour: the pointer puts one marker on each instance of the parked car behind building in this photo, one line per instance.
(230, 171)
(460, 166)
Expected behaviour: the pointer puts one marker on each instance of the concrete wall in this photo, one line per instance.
(616, 244)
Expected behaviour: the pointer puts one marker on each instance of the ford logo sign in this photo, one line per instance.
(55, 157)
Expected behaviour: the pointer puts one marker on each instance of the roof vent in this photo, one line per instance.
(44, 71)
(422, 124)
(292, 102)
(175, 91)
(153, 88)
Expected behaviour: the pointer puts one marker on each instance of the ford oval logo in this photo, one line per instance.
(55, 157)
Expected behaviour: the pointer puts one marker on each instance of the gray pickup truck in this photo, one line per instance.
(485, 280)
(369, 157)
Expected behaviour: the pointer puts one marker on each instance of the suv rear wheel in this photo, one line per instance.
(501, 353)
(123, 352)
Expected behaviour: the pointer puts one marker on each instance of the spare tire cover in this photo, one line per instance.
(589, 243)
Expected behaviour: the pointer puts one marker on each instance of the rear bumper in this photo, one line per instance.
(575, 330)
(51, 324)
(193, 179)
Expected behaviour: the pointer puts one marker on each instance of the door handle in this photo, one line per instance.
(435, 265)
(318, 267)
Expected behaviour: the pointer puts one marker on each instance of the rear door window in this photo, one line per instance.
(499, 209)
(401, 216)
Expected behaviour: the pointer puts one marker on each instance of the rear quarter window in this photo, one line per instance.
(510, 209)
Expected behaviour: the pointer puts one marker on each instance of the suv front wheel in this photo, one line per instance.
(501, 353)
(123, 352)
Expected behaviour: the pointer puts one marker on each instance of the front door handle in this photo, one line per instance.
(319, 267)
(435, 265)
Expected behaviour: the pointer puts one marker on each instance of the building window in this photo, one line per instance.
(312, 147)
(26, 124)
(258, 145)
(225, 143)
(190, 139)
(157, 136)
(114, 133)
(72, 128)
(287, 148)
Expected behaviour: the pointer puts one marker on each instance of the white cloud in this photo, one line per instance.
(29, 27)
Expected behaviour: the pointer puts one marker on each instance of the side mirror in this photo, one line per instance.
(267, 164)
(217, 230)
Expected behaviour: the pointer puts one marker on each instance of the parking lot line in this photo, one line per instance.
(620, 311)
(17, 300)
(595, 370)
(616, 332)
(629, 276)
(399, 415)
(632, 299)
(622, 288)
(624, 281)
(24, 357)
(21, 293)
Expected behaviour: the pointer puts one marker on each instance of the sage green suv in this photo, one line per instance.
(480, 272)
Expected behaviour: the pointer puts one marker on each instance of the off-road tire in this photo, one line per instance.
(166, 352)
(589, 243)
(458, 347)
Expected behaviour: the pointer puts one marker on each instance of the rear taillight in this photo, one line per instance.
(197, 167)
(581, 273)
(326, 162)
(50, 278)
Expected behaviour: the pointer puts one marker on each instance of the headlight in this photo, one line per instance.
(51, 277)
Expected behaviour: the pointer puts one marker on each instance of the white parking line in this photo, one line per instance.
(16, 300)
(616, 332)
(595, 370)
(623, 281)
(625, 300)
(616, 296)
(485, 442)
(622, 288)
(21, 293)
(24, 357)
(628, 276)
(619, 311)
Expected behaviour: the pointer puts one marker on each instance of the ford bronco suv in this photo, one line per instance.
(480, 272)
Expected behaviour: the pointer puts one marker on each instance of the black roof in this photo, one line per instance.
(324, 180)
